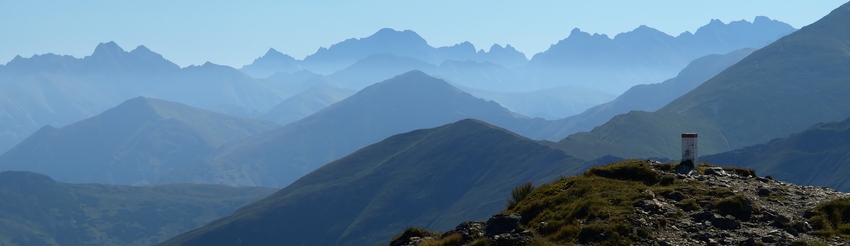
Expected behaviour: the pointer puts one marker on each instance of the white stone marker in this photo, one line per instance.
(689, 148)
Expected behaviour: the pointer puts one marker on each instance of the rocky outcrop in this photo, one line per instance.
(499, 230)
(759, 211)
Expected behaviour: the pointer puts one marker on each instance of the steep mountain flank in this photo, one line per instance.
(430, 178)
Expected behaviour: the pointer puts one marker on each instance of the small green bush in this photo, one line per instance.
(451, 240)
(807, 243)
(520, 193)
(629, 170)
(832, 218)
(738, 206)
(720, 192)
(689, 205)
(740, 171)
(480, 242)
(413, 232)
(666, 167)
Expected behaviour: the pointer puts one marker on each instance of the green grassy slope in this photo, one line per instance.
(36, 210)
(431, 178)
(132, 143)
(799, 80)
(815, 156)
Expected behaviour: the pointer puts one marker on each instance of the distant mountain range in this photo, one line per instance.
(145, 141)
(729, 103)
(36, 210)
(593, 65)
(357, 167)
(132, 144)
(643, 55)
(58, 90)
(407, 44)
(404, 103)
(789, 85)
(434, 177)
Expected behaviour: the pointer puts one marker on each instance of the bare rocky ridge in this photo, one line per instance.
(774, 212)
(742, 209)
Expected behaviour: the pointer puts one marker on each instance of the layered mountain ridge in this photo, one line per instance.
(645, 54)
(777, 90)
(458, 170)
(36, 210)
(409, 101)
(131, 144)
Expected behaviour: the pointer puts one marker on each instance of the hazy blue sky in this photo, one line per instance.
(235, 32)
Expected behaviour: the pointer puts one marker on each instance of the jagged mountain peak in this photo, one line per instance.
(107, 49)
(764, 19)
(271, 62)
(110, 58)
(641, 32)
(759, 24)
(275, 55)
(141, 49)
(392, 34)
(41, 62)
(17, 58)
(578, 34)
(499, 48)
(343, 54)
(272, 51)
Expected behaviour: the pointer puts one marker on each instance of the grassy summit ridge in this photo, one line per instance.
(639, 202)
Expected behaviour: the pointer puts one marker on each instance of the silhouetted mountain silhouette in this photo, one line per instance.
(270, 63)
(643, 55)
